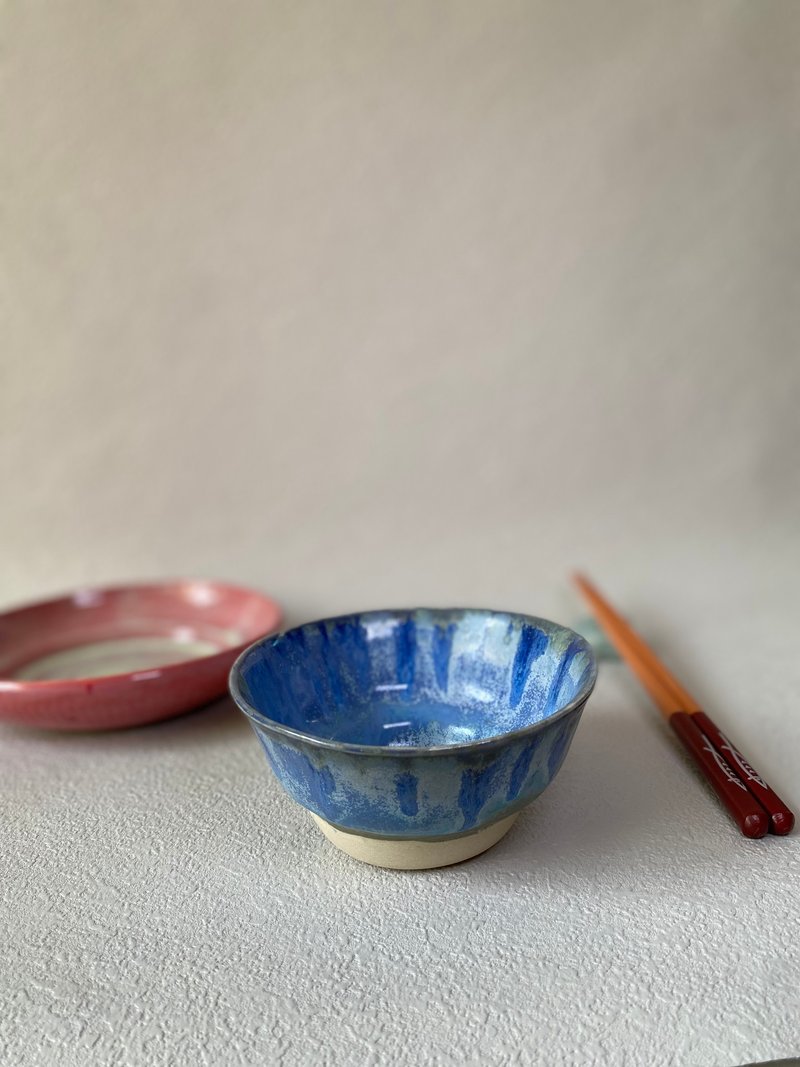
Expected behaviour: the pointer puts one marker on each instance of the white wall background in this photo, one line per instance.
(374, 303)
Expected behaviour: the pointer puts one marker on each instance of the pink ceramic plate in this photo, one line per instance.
(105, 658)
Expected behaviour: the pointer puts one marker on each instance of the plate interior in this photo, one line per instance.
(98, 659)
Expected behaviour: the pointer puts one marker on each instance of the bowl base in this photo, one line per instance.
(415, 854)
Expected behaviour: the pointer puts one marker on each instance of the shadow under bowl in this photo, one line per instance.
(414, 737)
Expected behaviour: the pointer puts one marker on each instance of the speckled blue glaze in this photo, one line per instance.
(420, 724)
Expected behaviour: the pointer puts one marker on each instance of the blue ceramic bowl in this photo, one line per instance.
(421, 726)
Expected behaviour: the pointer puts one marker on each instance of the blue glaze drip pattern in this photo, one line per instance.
(477, 785)
(406, 790)
(562, 674)
(519, 772)
(441, 648)
(405, 651)
(532, 643)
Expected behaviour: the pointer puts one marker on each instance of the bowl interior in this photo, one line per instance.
(415, 678)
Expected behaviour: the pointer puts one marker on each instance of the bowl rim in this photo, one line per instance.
(258, 718)
(11, 685)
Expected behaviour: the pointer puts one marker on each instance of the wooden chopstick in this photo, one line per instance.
(753, 804)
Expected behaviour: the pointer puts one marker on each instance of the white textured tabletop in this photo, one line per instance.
(373, 306)
(168, 904)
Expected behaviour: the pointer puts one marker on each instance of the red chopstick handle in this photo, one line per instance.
(750, 817)
(781, 819)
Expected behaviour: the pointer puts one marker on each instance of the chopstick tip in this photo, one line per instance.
(781, 822)
(755, 825)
